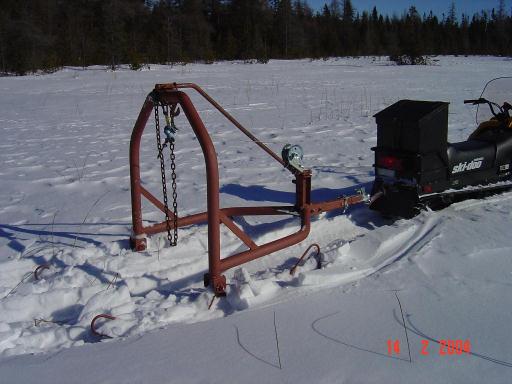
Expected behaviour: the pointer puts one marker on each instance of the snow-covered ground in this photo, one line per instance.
(65, 203)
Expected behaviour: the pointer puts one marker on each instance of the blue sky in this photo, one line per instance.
(437, 6)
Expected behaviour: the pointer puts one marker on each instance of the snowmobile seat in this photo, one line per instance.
(504, 150)
(502, 140)
(470, 150)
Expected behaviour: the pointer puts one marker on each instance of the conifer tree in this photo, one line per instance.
(47, 34)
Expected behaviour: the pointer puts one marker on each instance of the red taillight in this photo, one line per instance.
(390, 162)
(427, 188)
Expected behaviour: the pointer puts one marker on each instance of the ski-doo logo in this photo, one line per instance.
(465, 166)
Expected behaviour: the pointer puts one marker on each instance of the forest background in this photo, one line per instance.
(45, 35)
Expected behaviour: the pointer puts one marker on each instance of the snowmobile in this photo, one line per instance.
(416, 167)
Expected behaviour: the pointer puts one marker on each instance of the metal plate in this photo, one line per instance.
(385, 172)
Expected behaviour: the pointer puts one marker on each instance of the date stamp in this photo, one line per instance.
(445, 347)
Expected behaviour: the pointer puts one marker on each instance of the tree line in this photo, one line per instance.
(48, 34)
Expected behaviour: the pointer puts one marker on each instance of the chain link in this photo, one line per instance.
(172, 241)
(174, 192)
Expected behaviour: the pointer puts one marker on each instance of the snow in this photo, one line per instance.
(65, 203)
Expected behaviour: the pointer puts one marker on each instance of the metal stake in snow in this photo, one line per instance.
(301, 259)
(96, 318)
(171, 96)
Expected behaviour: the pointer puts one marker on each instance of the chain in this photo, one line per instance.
(174, 194)
(164, 182)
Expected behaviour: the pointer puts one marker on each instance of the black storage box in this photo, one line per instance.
(413, 126)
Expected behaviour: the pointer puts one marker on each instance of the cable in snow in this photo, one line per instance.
(39, 321)
(53, 238)
(87, 216)
(420, 333)
(279, 366)
(24, 278)
(250, 353)
(113, 281)
(277, 342)
(315, 327)
(405, 328)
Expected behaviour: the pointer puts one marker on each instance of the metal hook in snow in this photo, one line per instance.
(318, 261)
(211, 302)
(101, 316)
(39, 269)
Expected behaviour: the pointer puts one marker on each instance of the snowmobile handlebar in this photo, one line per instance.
(476, 101)
(502, 110)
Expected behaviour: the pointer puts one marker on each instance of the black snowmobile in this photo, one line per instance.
(416, 167)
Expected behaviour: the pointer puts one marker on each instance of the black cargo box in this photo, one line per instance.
(413, 126)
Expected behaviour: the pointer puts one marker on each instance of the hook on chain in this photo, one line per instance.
(170, 128)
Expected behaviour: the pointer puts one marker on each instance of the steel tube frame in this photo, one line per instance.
(215, 216)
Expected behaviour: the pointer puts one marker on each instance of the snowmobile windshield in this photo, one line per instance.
(497, 90)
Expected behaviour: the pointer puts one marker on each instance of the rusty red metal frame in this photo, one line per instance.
(170, 94)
